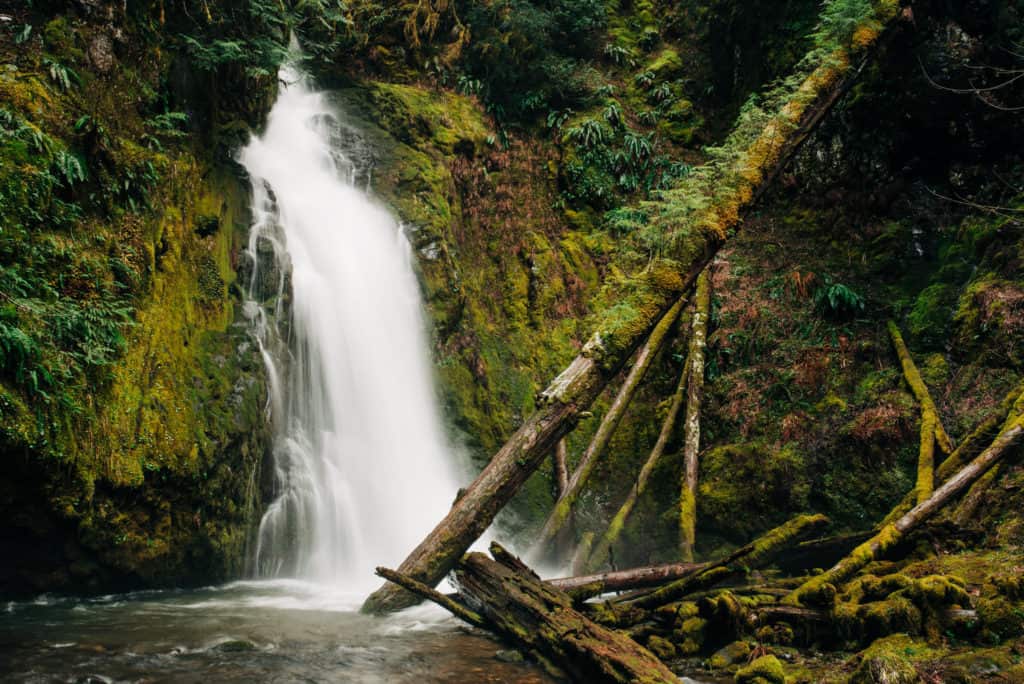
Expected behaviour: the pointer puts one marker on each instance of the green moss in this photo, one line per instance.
(765, 670)
(724, 490)
(665, 65)
(988, 318)
(661, 647)
(731, 654)
(1003, 618)
(932, 311)
(889, 661)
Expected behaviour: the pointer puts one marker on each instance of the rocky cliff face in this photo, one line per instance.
(132, 421)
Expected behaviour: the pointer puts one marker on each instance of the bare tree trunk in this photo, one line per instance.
(694, 396)
(603, 549)
(561, 468)
(583, 587)
(968, 507)
(611, 420)
(643, 300)
(822, 588)
(579, 557)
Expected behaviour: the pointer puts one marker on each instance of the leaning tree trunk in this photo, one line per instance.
(611, 420)
(932, 432)
(966, 451)
(560, 464)
(641, 301)
(694, 396)
(821, 588)
(603, 549)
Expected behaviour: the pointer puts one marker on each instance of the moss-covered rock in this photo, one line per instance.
(765, 670)
(888, 661)
(730, 654)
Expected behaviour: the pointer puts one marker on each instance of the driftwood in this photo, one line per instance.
(586, 586)
(563, 507)
(654, 290)
(541, 620)
(601, 552)
(694, 396)
(823, 587)
(932, 432)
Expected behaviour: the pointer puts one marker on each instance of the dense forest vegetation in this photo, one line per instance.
(782, 241)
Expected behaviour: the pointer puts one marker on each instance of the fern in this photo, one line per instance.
(589, 133)
(63, 76)
(838, 301)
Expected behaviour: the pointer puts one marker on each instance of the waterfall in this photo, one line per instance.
(362, 465)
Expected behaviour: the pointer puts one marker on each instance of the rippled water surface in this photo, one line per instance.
(280, 631)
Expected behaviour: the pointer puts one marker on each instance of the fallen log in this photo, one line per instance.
(449, 603)
(932, 432)
(694, 396)
(586, 586)
(640, 301)
(756, 554)
(965, 512)
(541, 619)
(603, 549)
(968, 449)
(611, 420)
(920, 390)
(822, 588)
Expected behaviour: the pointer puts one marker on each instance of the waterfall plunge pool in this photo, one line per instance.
(262, 631)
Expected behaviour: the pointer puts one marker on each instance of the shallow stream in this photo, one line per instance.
(268, 631)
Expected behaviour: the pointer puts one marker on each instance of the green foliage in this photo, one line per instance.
(589, 133)
(840, 18)
(624, 220)
(845, 25)
(837, 301)
(60, 74)
(529, 55)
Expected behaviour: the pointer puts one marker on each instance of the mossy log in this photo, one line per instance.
(968, 508)
(583, 587)
(817, 625)
(757, 553)
(449, 603)
(541, 619)
(822, 588)
(602, 551)
(563, 507)
(694, 396)
(644, 299)
(932, 432)
(968, 449)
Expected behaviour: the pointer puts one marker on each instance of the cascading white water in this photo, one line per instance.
(363, 467)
